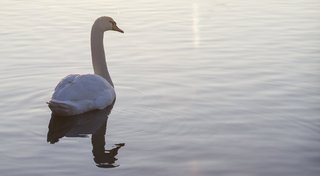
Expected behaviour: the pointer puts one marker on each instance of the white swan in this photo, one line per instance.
(76, 94)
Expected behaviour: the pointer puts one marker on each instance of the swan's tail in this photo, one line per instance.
(62, 108)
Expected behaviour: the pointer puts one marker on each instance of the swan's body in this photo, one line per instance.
(76, 94)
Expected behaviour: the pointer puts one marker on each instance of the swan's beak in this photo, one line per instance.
(116, 28)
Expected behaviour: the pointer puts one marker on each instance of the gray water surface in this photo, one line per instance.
(204, 87)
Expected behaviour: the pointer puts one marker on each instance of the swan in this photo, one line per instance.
(76, 94)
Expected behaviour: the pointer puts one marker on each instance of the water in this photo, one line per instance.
(219, 87)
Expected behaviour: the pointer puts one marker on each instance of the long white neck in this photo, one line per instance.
(97, 54)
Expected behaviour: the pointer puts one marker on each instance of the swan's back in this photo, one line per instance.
(76, 94)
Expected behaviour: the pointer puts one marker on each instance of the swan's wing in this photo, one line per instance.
(81, 87)
(81, 93)
(66, 81)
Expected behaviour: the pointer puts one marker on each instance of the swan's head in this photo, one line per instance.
(105, 23)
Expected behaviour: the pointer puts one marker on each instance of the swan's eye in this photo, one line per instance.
(113, 23)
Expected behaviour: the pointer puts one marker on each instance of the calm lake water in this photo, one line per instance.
(204, 87)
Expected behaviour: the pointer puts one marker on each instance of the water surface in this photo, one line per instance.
(204, 87)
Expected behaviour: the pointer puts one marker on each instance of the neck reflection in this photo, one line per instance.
(82, 125)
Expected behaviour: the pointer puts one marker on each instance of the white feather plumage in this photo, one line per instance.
(76, 94)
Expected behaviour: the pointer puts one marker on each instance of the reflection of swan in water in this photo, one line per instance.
(93, 122)
(103, 158)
